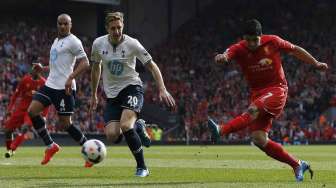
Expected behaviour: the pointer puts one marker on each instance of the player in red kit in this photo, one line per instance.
(17, 109)
(258, 56)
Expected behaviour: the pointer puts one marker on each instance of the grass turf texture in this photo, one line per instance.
(170, 166)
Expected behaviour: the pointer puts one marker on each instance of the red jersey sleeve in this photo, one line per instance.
(284, 44)
(232, 52)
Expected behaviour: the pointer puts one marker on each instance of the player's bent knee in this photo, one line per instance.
(253, 111)
(35, 108)
(127, 120)
(259, 141)
(125, 126)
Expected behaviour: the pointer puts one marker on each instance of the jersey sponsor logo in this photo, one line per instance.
(265, 61)
(104, 52)
(53, 55)
(264, 64)
(116, 67)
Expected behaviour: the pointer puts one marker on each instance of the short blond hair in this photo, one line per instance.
(113, 16)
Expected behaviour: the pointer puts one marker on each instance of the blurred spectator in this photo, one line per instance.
(200, 87)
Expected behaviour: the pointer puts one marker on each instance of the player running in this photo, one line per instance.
(60, 86)
(259, 58)
(17, 109)
(117, 53)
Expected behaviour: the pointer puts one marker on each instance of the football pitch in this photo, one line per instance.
(170, 166)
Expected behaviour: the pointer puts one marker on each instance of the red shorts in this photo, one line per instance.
(270, 103)
(17, 119)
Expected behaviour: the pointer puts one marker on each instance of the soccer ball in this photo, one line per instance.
(94, 151)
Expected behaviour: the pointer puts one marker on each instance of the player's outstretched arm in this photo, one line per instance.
(164, 95)
(306, 57)
(82, 66)
(95, 77)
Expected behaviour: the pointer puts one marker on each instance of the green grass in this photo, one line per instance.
(170, 166)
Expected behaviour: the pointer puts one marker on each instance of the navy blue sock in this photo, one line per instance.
(76, 134)
(39, 126)
(134, 143)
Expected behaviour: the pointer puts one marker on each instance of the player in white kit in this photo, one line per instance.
(116, 53)
(60, 86)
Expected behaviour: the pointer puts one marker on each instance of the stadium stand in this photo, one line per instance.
(199, 86)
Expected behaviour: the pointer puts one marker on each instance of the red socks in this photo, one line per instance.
(272, 149)
(8, 144)
(277, 152)
(238, 123)
(18, 141)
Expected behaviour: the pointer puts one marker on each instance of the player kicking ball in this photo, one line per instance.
(116, 54)
(259, 58)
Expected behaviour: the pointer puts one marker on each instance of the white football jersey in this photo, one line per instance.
(119, 62)
(63, 54)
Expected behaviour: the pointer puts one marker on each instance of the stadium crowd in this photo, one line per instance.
(203, 88)
(200, 87)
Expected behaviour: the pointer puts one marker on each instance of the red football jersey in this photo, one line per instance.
(23, 94)
(262, 67)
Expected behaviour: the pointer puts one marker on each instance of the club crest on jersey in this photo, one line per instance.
(265, 61)
(266, 50)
